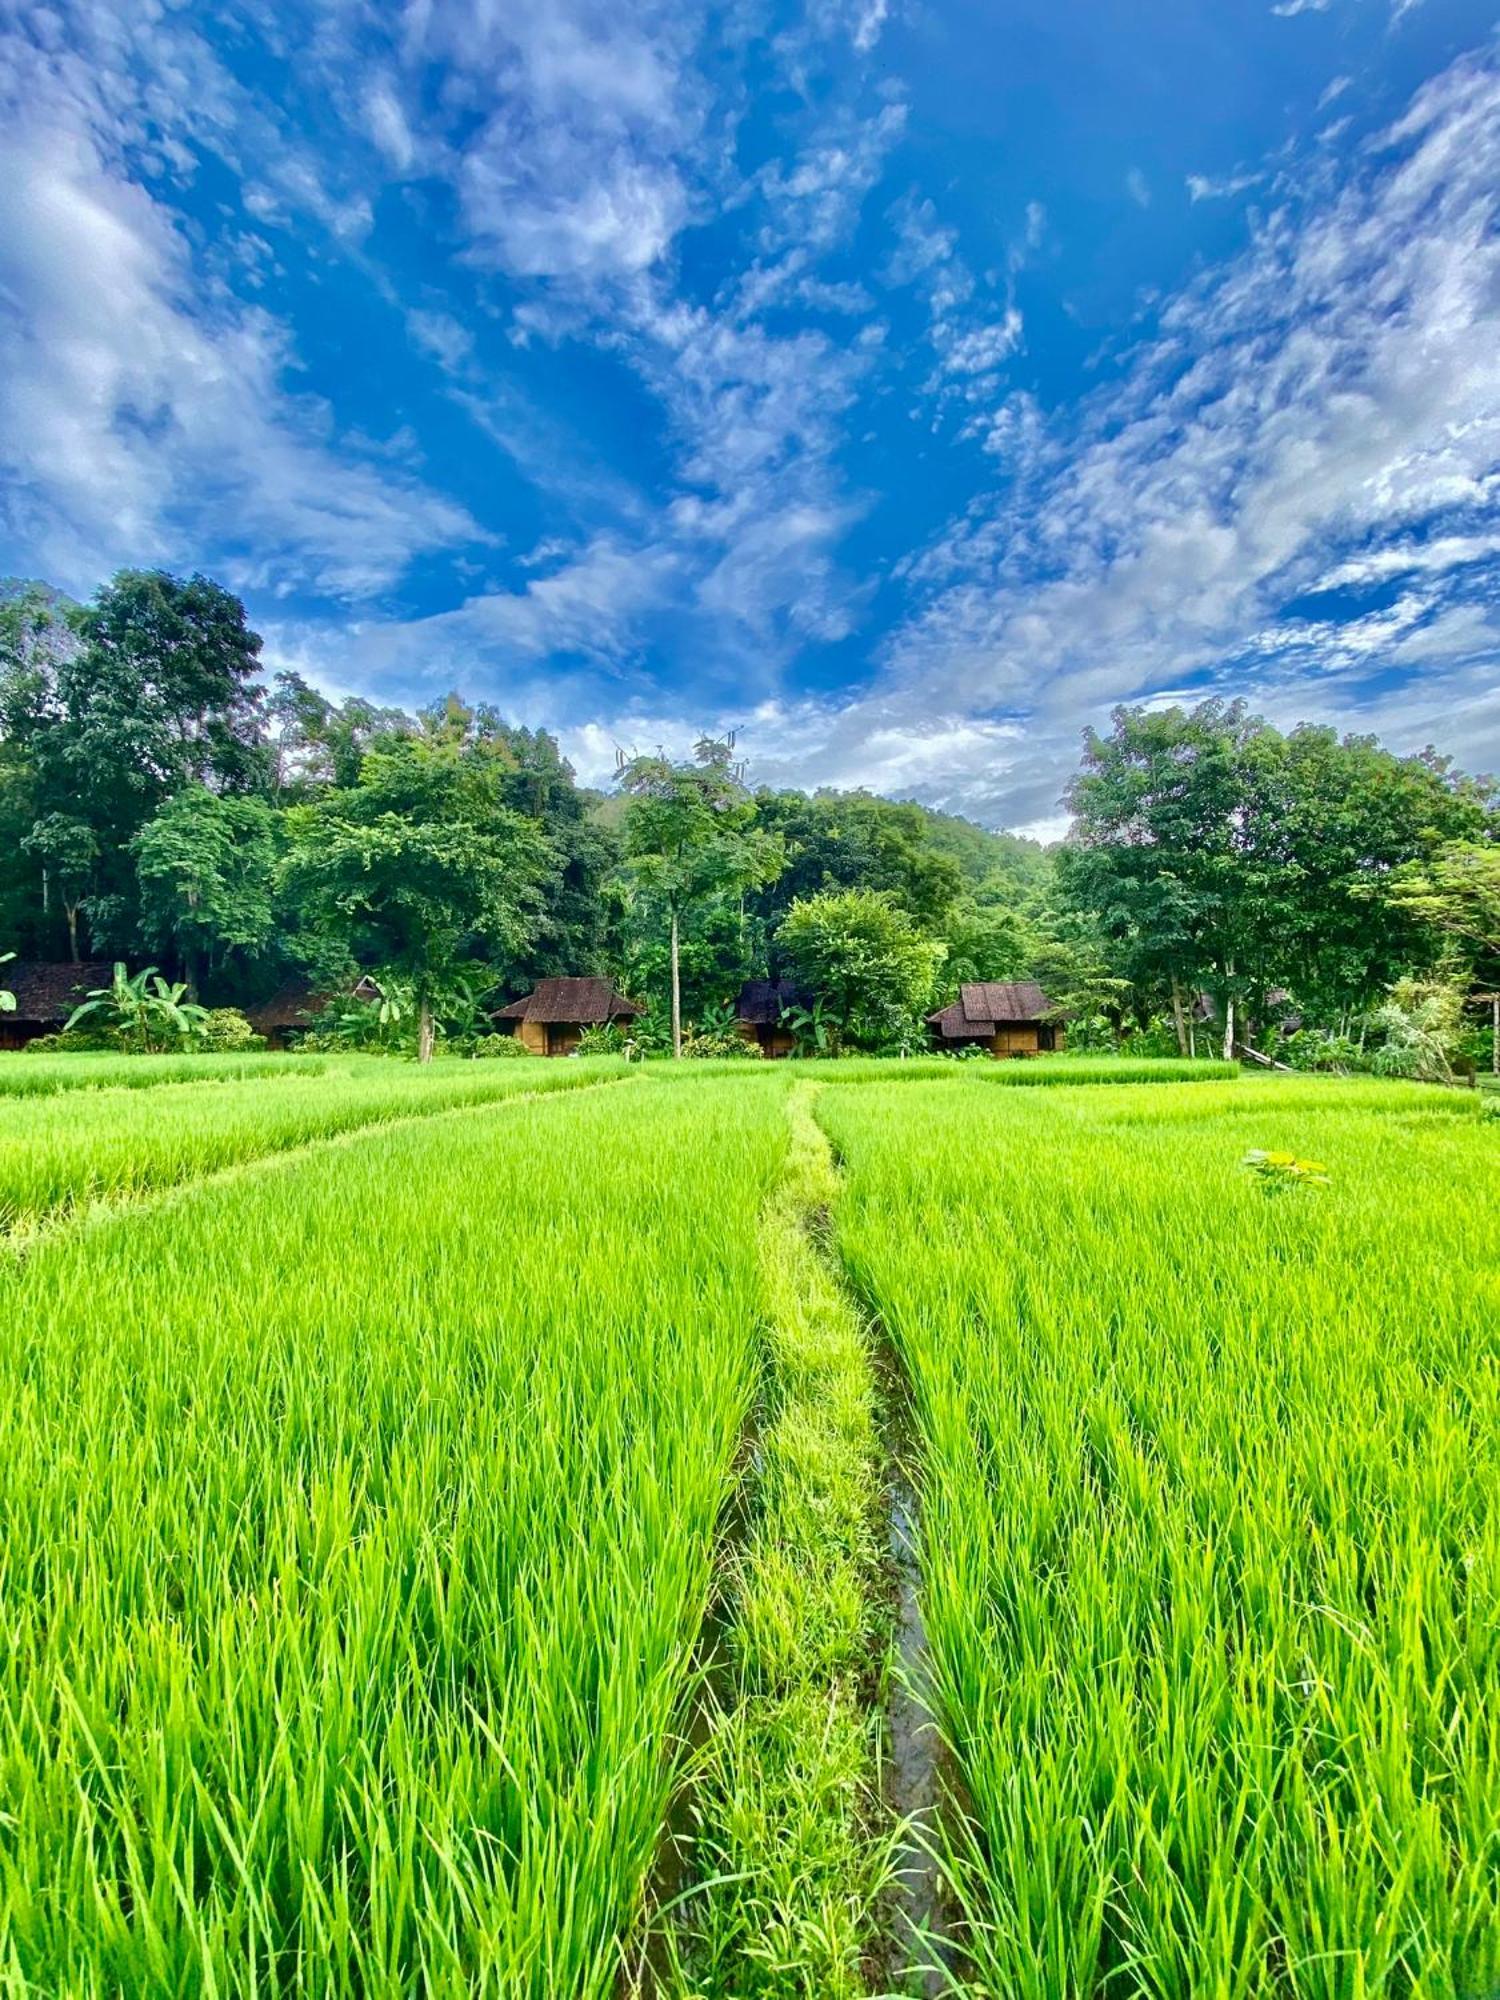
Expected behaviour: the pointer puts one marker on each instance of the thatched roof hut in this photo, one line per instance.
(1014, 1017)
(759, 1010)
(550, 1020)
(46, 994)
(296, 1005)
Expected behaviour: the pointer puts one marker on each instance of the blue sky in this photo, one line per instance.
(901, 381)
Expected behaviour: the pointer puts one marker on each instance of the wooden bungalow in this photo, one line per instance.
(758, 1014)
(551, 1019)
(46, 994)
(296, 1006)
(1010, 1017)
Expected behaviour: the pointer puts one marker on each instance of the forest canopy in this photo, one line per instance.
(164, 802)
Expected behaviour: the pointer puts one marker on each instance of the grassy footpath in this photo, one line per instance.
(60, 1152)
(1210, 1541)
(356, 1528)
(786, 1817)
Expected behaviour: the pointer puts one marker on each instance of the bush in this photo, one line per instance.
(719, 1044)
(1320, 1049)
(81, 1041)
(485, 1048)
(608, 1039)
(223, 1031)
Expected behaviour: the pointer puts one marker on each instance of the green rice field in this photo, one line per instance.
(557, 1529)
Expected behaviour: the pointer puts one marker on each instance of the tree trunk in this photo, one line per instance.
(190, 974)
(1495, 1033)
(73, 933)
(1179, 1021)
(676, 994)
(425, 1035)
(1229, 1013)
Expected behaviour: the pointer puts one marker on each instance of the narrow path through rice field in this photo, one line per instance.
(788, 1854)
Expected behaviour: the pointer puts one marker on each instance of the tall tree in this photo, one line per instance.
(68, 850)
(116, 706)
(207, 867)
(419, 869)
(690, 832)
(1162, 850)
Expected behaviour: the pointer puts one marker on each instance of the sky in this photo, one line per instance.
(901, 383)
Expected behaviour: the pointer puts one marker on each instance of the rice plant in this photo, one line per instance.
(356, 1524)
(47, 1075)
(56, 1151)
(1210, 1540)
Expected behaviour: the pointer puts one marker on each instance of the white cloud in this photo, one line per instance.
(1322, 412)
(1138, 188)
(138, 423)
(385, 120)
(1288, 9)
(1204, 187)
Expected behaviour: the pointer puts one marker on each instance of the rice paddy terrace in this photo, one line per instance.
(556, 1530)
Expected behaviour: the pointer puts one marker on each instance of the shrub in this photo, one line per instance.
(224, 1030)
(1320, 1049)
(608, 1039)
(485, 1048)
(718, 1048)
(77, 1041)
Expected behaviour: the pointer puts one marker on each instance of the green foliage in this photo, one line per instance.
(870, 966)
(1420, 1022)
(487, 1048)
(715, 1036)
(691, 832)
(224, 1030)
(206, 864)
(1210, 850)
(417, 865)
(7, 998)
(144, 1012)
(607, 1038)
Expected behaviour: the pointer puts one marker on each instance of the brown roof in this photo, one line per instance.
(586, 1001)
(761, 1001)
(296, 1004)
(986, 1004)
(49, 992)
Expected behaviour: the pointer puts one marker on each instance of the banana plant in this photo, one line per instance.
(147, 1013)
(814, 1029)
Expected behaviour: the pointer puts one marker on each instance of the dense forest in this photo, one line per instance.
(164, 805)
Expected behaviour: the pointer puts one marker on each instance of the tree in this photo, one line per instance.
(690, 832)
(207, 868)
(854, 840)
(1456, 892)
(864, 959)
(68, 850)
(1162, 851)
(1342, 819)
(111, 708)
(418, 868)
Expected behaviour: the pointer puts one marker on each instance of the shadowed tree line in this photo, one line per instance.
(163, 801)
